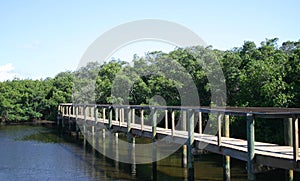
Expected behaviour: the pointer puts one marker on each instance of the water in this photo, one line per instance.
(37, 153)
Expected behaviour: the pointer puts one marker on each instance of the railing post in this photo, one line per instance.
(226, 159)
(154, 122)
(154, 156)
(142, 121)
(62, 115)
(133, 116)
(128, 119)
(250, 144)
(295, 139)
(166, 118)
(58, 114)
(110, 115)
(200, 122)
(191, 127)
(219, 117)
(184, 115)
(84, 117)
(117, 115)
(96, 114)
(76, 119)
(69, 118)
(103, 115)
(173, 123)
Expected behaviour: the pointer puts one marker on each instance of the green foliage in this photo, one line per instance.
(265, 75)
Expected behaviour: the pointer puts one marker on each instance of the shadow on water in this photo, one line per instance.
(64, 157)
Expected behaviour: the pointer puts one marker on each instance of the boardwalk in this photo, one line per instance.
(123, 119)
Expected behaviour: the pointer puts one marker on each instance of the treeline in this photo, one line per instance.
(26, 100)
(265, 75)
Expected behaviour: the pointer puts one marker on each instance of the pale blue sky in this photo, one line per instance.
(42, 38)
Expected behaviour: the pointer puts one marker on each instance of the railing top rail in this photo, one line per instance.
(266, 112)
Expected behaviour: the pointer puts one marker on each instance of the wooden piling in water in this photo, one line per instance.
(127, 112)
(295, 140)
(76, 119)
(250, 146)
(191, 127)
(84, 117)
(184, 159)
(288, 140)
(226, 159)
(154, 151)
(110, 117)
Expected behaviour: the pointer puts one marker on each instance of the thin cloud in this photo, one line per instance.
(6, 72)
(32, 45)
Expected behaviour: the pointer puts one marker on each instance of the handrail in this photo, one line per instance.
(263, 112)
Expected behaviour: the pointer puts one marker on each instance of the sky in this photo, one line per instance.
(39, 39)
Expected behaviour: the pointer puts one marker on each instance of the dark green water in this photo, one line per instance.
(37, 153)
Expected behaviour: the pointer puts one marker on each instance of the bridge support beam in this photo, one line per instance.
(250, 146)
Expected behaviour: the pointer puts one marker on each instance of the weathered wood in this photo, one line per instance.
(142, 120)
(173, 122)
(250, 146)
(191, 127)
(154, 123)
(116, 114)
(154, 149)
(183, 122)
(128, 119)
(96, 114)
(295, 140)
(184, 159)
(133, 116)
(123, 115)
(200, 122)
(288, 140)
(219, 117)
(76, 119)
(226, 158)
(110, 117)
(103, 114)
(166, 119)
(248, 150)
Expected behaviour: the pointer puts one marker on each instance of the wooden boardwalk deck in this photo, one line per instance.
(272, 155)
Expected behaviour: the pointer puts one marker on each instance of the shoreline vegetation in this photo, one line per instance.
(267, 75)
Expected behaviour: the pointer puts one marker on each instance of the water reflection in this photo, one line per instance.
(36, 153)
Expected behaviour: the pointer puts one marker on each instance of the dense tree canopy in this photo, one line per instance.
(265, 75)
